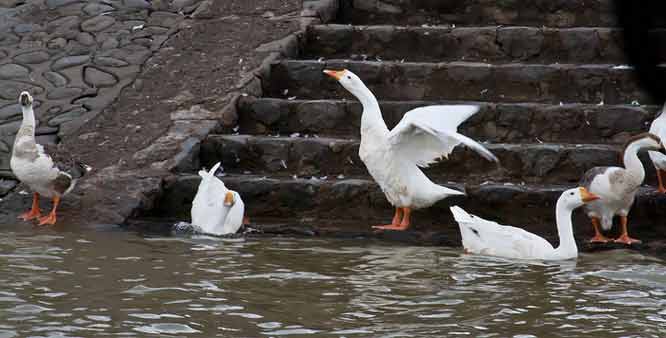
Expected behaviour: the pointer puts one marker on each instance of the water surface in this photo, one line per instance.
(95, 283)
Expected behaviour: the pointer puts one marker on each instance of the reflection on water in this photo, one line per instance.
(114, 283)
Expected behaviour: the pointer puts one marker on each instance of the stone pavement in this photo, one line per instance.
(74, 57)
(109, 78)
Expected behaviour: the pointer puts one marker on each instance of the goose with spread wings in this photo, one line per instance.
(394, 157)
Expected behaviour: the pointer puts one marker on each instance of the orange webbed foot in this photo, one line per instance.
(599, 238)
(391, 227)
(627, 240)
(50, 219)
(30, 215)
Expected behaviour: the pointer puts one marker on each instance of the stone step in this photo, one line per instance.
(553, 13)
(327, 203)
(495, 122)
(319, 157)
(479, 44)
(303, 79)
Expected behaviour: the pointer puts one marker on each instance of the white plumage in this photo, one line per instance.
(393, 157)
(617, 187)
(216, 210)
(33, 166)
(485, 237)
(658, 127)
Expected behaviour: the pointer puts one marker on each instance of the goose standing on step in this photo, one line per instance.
(216, 210)
(34, 167)
(480, 236)
(393, 157)
(658, 128)
(617, 188)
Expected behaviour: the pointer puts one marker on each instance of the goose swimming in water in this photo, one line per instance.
(33, 166)
(480, 236)
(393, 157)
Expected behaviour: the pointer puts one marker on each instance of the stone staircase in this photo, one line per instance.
(556, 100)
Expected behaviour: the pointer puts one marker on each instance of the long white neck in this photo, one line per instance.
(372, 119)
(567, 248)
(632, 163)
(28, 118)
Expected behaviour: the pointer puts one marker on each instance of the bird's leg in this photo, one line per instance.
(50, 219)
(660, 172)
(406, 219)
(397, 217)
(624, 237)
(34, 212)
(598, 236)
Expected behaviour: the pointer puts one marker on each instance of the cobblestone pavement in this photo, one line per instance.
(75, 57)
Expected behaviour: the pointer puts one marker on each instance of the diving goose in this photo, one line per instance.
(34, 167)
(216, 210)
(658, 127)
(393, 157)
(480, 236)
(617, 188)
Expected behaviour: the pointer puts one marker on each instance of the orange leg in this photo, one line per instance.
(397, 224)
(246, 220)
(598, 236)
(50, 219)
(660, 178)
(397, 217)
(34, 212)
(624, 237)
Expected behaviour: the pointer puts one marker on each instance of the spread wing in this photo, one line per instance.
(426, 134)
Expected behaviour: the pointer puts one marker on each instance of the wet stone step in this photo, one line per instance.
(514, 82)
(495, 44)
(552, 13)
(495, 122)
(362, 202)
(319, 157)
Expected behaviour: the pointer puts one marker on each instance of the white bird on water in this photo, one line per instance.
(480, 236)
(393, 157)
(216, 210)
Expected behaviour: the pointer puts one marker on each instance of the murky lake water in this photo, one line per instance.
(98, 283)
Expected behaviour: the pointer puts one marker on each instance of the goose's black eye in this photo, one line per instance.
(571, 193)
(349, 77)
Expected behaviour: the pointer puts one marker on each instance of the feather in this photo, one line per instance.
(426, 134)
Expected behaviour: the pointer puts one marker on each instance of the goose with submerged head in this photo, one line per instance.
(485, 237)
(393, 157)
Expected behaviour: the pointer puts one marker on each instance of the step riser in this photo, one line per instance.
(555, 13)
(497, 123)
(455, 81)
(365, 204)
(305, 157)
(486, 44)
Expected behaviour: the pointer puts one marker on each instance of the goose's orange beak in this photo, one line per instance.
(229, 199)
(336, 74)
(587, 196)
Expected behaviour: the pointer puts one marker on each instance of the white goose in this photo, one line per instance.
(216, 210)
(480, 236)
(658, 127)
(33, 166)
(393, 157)
(617, 188)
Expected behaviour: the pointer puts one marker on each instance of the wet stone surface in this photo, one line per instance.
(74, 57)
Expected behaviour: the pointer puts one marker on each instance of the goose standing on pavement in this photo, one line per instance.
(34, 167)
(617, 188)
(393, 157)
